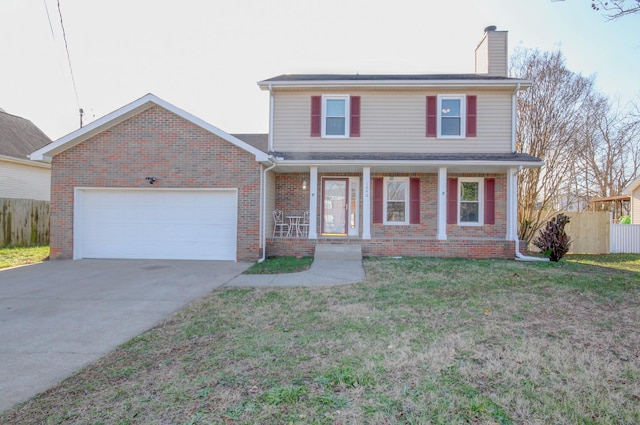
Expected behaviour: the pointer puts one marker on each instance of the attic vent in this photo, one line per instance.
(490, 28)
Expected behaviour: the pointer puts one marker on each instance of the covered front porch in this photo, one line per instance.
(396, 209)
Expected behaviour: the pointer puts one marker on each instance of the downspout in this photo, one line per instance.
(270, 119)
(514, 183)
(264, 208)
(514, 114)
(514, 209)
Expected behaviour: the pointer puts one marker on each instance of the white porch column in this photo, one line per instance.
(366, 202)
(512, 204)
(313, 203)
(442, 204)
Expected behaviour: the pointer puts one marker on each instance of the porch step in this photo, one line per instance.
(338, 252)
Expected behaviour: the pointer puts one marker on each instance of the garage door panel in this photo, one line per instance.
(159, 224)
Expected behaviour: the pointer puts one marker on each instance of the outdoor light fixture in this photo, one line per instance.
(304, 184)
(151, 180)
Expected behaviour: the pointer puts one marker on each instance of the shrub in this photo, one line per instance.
(625, 219)
(553, 241)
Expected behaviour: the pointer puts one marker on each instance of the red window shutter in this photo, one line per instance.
(414, 201)
(432, 116)
(354, 125)
(489, 201)
(316, 115)
(472, 109)
(452, 201)
(378, 189)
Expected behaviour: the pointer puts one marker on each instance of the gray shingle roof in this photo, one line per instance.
(383, 77)
(19, 136)
(258, 140)
(393, 156)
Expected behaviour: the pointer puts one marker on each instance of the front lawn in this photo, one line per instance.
(442, 341)
(12, 257)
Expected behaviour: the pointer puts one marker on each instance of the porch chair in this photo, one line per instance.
(279, 225)
(304, 224)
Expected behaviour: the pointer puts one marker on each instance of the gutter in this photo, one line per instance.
(264, 208)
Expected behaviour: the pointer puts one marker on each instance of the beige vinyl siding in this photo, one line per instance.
(24, 181)
(392, 121)
(635, 206)
(491, 54)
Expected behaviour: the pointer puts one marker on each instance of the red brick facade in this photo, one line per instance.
(157, 143)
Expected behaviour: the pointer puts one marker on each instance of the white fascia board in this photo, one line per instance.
(28, 162)
(47, 152)
(425, 84)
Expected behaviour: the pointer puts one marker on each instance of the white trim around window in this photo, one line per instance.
(452, 116)
(473, 201)
(335, 116)
(398, 199)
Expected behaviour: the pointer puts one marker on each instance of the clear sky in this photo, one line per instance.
(205, 56)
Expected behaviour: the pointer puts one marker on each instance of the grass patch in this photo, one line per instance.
(275, 265)
(420, 341)
(12, 257)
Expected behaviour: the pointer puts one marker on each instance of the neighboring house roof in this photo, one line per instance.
(369, 80)
(148, 101)
(19, 137)
(631, 186)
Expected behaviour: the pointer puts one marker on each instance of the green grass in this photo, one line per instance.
(12, 257)
(274, 265)
(420, 341)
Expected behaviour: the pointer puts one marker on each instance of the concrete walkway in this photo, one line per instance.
(332, 265)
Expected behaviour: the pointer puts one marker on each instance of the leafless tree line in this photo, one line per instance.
(590, 145)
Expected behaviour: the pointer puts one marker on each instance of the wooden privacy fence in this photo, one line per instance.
(625, 238)
(23, 222)
(589, 232)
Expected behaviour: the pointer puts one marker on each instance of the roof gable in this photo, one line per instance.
(98, 126)
(19, 136)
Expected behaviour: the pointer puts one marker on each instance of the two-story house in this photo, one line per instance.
(401, 164)
(398, 164)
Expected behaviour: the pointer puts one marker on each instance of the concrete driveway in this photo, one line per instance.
(58, 316)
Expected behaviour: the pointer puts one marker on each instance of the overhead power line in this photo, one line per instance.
(66, 46)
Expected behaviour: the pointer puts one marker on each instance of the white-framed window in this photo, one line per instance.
(335, 116)
(451, 116)
(396, 200)
(470, 201)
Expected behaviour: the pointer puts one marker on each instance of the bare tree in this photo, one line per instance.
(617, 8)
(608, 154)
(550, 116)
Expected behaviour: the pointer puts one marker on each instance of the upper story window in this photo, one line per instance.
(335, 116)
(451, 116)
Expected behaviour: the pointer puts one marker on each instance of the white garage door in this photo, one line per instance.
(155, 224)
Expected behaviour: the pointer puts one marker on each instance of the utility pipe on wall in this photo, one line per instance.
(264, 209)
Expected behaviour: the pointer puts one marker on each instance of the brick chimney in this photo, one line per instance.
(491, 53)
